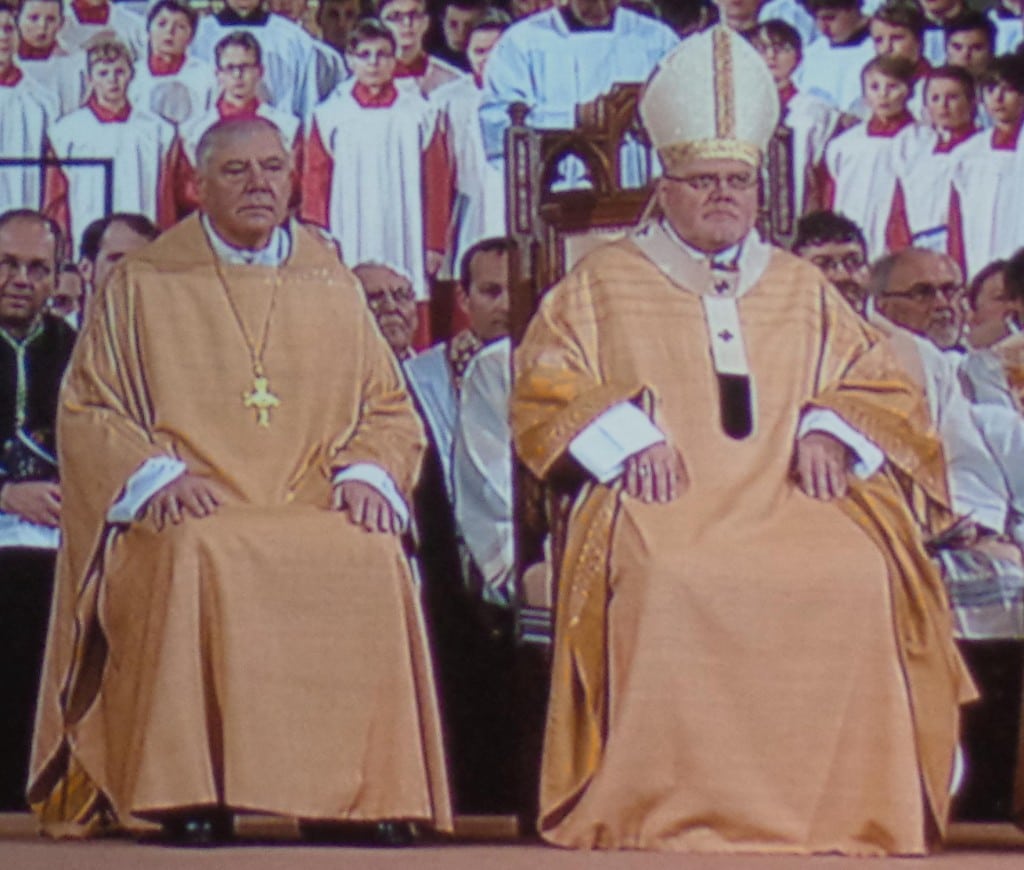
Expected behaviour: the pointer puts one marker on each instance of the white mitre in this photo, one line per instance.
(712, 97)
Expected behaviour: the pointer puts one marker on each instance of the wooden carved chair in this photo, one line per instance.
(553, 228)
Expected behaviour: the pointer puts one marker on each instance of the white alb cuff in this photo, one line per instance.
(603, 447)
(380, 480)
(152, 476)
(869, 456)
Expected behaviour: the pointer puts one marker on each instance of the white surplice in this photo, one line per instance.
(127, 26)
(62, 75)
(814, 123)
(832, 73)
(479, 208)
(139, 148)
(26, 110)
(989, 187)
(178, 97)
(541, 62)
(376, 204)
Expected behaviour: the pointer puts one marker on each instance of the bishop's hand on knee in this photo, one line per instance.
(187, 495)
(822, 465)
(366, 507)
(656, 474)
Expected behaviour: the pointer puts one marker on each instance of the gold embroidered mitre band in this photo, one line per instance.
(712, 98)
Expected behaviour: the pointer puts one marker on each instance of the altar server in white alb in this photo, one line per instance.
(924, 158)
(831, 66)
(86, 20)
(564, 56)
(860, 166)
(364, 178)
(970, 42)
(985, 214)
(25, 111)
(408, 22)
(239, 78)
(172, 83)
(812, 120)
(42, 58)
(289, 58)
(478, 187)
(139, 143)
(898, 30)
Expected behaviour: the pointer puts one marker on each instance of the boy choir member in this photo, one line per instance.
(408, 22)
(478, 187)
(289, 56)
(458, 17)
(970, 42)
(364, 178)
(87, 19)
(985, 220)
(860, 168)
(336, 18)
(240, 71)
(831, 66)
(26, 110)
(992, 312)
(41, 57)
(141, 145)
(812, 121)
(924, 159)
(897, 30)
(794, 13)
(172, 83)
(565, 56)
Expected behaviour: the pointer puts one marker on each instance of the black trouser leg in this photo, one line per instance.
(26, 584)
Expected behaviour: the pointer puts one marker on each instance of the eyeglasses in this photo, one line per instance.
(404, 17)
(734, 181)
(924, 292)
(238, 69)
(849, 263)
(396, 296)
(36, 270)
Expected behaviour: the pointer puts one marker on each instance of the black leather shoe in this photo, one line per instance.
(199, 829)
(394, 835)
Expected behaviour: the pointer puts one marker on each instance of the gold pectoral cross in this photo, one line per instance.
(261, 399)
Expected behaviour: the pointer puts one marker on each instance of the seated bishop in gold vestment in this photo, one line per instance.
(236, 629)
(752, 650)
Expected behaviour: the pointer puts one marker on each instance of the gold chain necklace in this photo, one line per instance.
(261, 399)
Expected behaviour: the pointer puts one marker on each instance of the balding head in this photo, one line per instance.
(390, 297)
(244, 170)
(922, 291)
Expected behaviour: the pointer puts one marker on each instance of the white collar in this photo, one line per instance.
(274, 253)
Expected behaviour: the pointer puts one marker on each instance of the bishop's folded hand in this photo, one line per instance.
(656, 474)
(822, 466)
(366, 507)
(187, 495)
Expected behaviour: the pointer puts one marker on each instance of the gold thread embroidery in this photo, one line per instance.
(725, 103)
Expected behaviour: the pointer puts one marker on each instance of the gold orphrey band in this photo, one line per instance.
(725, 106)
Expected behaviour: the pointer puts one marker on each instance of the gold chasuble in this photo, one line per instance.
(745, 668)
(270, 657)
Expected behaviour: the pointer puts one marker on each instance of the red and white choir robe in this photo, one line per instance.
(82, 23)
(924, 173)
(428, 72)
(141, 146)
(814, 123)
(478, 207)
(176, 92)
(58, 72)
(366, 178)
(289, 58)
(832, 72)
(985, 208)
(26, 110)
(191, 132)
(860, 180)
